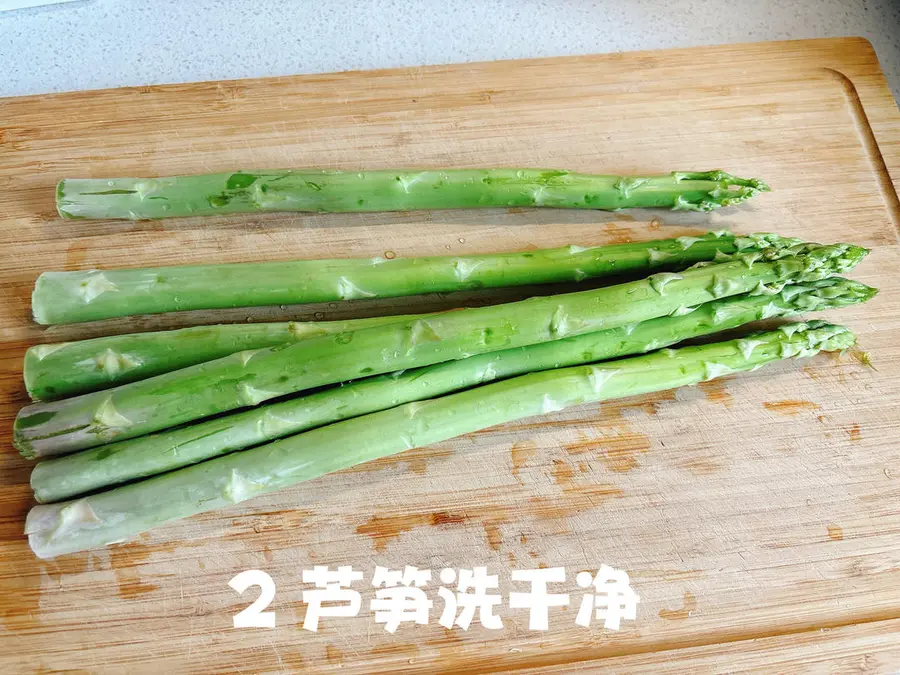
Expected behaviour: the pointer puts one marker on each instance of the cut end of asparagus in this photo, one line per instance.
(33, 356)
(22, 443)
(23, 447)
(36, 428)
(37, 307)
(46, 522)
(60, 199)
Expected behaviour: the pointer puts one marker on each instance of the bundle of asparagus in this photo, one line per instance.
(251, 377)
(413, 380)
(116, 463)
(114, 515)
(136, 430)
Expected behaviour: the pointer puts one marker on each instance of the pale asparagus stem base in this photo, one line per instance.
(61, 370)
(97, 468)
(70, 297)
(394, 190)
(251, 377)
(120, 513)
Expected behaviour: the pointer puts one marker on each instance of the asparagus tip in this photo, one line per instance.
(730, 190)
(824, 336)
(830, 293)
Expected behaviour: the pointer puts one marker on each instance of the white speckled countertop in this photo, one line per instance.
(107, 43)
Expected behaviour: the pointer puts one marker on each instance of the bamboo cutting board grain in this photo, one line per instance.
(758, 517)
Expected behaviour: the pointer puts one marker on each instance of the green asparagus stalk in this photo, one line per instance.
(70, 297)
(90, 470)
(251, 377)
(339, 191)
(117, 514)
(61, 370)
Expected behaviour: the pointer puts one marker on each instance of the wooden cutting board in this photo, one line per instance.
(758, 517)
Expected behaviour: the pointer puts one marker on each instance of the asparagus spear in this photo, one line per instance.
(122, 512)
(251, 377)
(69, 297)
(54, 371)
(90, 470)
(339, 191)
